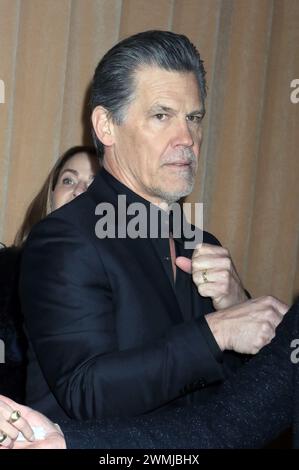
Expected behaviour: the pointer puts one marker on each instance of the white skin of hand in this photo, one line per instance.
(53, 439)
(224, 286)
(247, 327)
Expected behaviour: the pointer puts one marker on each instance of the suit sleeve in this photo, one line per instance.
(69, 313)
(250, 409)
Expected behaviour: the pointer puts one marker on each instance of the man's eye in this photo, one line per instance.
(194, 118)
(68, 181)
(161, 116)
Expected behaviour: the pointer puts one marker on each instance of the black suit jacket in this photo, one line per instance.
(107, 336)
(250, 409)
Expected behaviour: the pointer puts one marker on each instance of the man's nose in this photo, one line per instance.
(183, 135)
(79, 188)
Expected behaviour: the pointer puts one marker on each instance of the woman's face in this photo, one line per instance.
(74, 178)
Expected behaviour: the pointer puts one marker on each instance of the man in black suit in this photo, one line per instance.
(117, 326)
(250, 409)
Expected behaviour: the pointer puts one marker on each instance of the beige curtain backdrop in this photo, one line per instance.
(249, 168)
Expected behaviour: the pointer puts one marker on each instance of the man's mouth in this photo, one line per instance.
(179, 167)
(178, 164)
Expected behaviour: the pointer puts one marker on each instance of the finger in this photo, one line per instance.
(208, 249)
(9, 430)
(275, 318)
(6, 443)
(14, 405)
(22, 445)
(208, 290)
(270, 322)
(184, 264)
(269, 333)
(9, 402)
(12, 428)
(211, 262)
(52, 440)
(24, 427)
(5, 410)
(205, 276)
(279, 306)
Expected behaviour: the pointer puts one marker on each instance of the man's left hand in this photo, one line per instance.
(215, 275)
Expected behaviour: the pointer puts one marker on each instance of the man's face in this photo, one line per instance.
(156, 148)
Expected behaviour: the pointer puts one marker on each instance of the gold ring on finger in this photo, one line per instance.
(204, 276)
(15, 415)
(3, 436)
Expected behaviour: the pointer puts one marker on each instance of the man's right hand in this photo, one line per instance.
(247, 327)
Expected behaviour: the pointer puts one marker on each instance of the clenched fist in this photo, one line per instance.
(247, 327)
(215, 275)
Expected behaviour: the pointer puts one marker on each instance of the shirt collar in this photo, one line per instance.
(132, 197)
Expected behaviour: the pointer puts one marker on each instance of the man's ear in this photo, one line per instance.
(103, 125)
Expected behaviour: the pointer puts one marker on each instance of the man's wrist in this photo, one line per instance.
(227, 301)
(214, 320)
